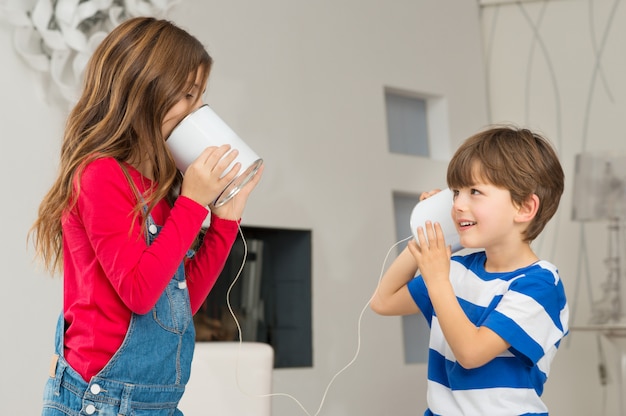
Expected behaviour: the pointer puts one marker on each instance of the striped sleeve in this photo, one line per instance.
(419, 293)
(532, 314)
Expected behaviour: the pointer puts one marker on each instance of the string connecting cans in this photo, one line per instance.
(338, 373)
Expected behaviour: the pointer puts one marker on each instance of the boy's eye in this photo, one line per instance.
(475, 191)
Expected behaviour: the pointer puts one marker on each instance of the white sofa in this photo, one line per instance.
(229, 379)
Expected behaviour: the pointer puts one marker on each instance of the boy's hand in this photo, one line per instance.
(431, 254)
(425, 195)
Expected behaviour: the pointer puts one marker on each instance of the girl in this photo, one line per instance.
(119, 221)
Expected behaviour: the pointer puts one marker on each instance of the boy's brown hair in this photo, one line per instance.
(516, 159)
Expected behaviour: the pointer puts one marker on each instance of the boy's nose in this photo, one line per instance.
(460, 202)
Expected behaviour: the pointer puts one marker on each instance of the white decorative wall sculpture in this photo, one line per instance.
(57, 37)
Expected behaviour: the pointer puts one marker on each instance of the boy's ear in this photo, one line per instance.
(528, 209)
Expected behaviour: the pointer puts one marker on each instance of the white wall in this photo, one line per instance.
(558, 66)
(302, 82)
(29, 300)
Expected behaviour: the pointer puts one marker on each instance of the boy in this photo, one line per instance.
(497, 315)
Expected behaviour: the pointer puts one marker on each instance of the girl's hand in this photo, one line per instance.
(203, 180)
(431, 254)
(233, 209)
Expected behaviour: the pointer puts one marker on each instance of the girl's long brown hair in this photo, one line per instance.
(140, 70)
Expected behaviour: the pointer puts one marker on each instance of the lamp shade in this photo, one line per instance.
(599, 187)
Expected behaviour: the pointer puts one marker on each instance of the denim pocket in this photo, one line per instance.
(173, 310)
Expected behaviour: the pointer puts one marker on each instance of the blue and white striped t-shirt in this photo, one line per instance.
(527, 308)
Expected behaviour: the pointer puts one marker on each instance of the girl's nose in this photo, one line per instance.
(199, 104)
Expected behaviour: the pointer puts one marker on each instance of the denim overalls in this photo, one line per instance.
(146, 376)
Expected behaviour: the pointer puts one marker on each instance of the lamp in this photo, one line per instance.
(59, 36)
(600, 195)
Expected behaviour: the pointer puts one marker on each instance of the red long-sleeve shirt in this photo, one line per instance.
(111, 272)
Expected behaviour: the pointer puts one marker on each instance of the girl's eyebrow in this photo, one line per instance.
(197, 87)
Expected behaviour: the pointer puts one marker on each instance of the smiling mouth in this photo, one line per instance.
(464, 224)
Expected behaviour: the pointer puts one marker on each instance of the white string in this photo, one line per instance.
(332, 380)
